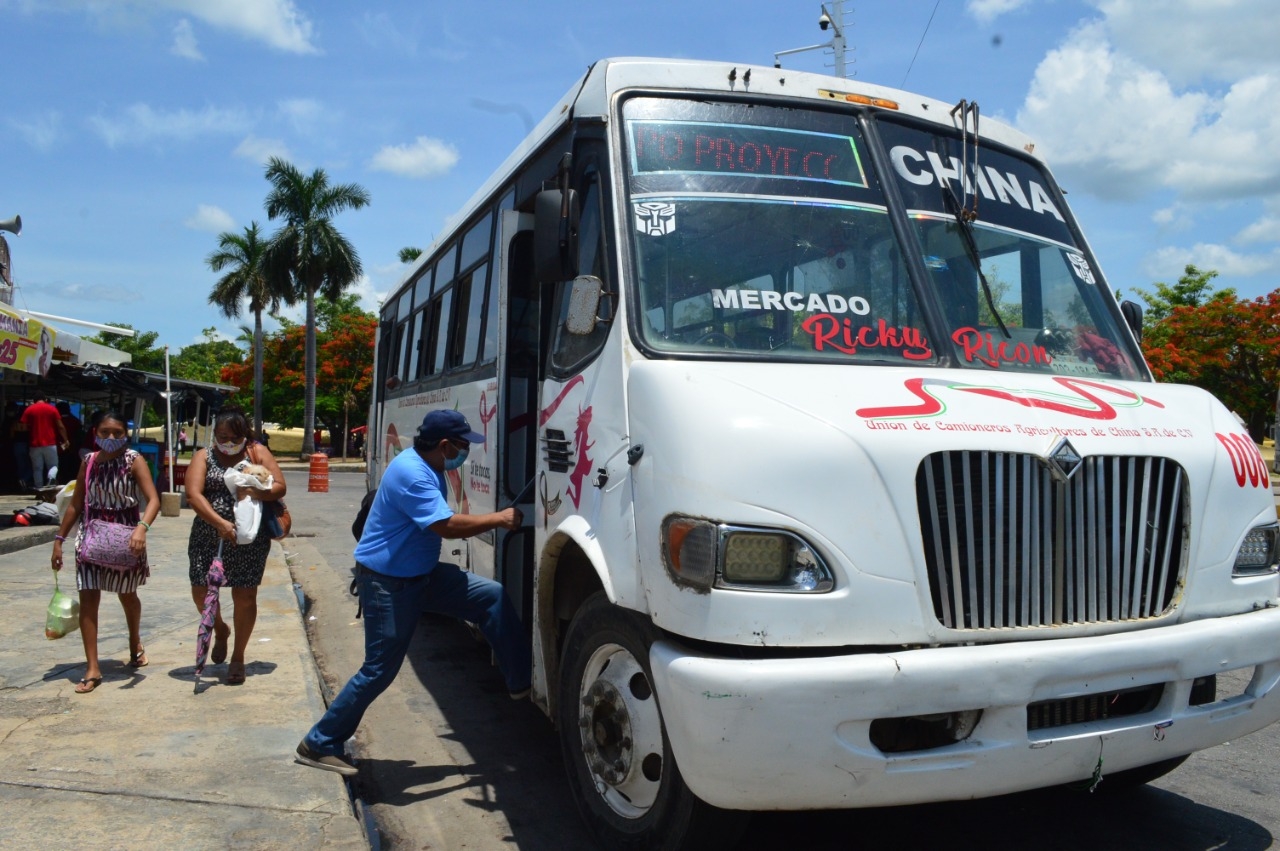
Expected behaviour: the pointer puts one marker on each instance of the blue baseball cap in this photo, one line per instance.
(438, 425)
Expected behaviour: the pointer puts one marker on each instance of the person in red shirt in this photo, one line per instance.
(46, 435)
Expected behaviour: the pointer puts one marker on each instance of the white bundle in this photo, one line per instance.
(248, 511)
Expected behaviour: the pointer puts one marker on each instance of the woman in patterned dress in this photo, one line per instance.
(112, 478)
(214, 506)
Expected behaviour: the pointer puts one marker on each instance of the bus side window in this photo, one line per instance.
(468, 315)
(571, 352)
(439, 319)
(470, 289)
(403, 336)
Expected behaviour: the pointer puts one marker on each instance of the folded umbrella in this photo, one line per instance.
(209, 613)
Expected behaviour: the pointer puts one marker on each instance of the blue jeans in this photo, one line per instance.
(43, 459)
(392, 608)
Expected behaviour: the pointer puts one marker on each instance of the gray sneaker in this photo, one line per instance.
(340, 764)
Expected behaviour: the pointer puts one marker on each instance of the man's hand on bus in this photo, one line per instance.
(466, 525)
(511, 518)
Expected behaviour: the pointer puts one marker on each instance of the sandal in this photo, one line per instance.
(235, 676)
(219, 653)
(88, 684)
(139, 659)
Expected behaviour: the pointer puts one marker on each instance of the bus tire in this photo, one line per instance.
(621, 770)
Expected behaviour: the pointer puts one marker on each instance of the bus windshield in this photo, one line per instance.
(764, 233)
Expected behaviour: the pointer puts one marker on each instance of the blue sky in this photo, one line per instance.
(135, 131)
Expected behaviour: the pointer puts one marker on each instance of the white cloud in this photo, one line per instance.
(40, 132)
(1122, 129)
(988, 10)
(210, 218)
(1175, 217)
(1168, 263)
(304, 114)
(141, 123)
(92, 292)
(184, 42)
(371, 298)
(260, 150)
(276, 23)
(383, 33)
(425, 157)
(1190, 40)
(1265, 229)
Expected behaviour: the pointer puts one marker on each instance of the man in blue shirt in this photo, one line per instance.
(400, 577)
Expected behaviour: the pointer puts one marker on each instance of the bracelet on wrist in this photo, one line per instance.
(59, 538)
(144, 524)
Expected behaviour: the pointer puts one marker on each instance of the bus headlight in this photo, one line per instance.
(701, 554)
(1257, 553)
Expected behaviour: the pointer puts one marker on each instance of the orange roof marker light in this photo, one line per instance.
(865, 100)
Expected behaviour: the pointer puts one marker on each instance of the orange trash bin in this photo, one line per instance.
(318, 481)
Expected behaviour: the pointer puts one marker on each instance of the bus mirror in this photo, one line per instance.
(555, 235)
(584, 304)
(1132, 312)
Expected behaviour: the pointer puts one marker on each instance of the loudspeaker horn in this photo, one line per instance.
(13, 226)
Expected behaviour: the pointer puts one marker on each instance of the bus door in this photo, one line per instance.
(521, 353)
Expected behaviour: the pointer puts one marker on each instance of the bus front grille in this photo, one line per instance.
(1009, 546)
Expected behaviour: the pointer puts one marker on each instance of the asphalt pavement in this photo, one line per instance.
(148, 760)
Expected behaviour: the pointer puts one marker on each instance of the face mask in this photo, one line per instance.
(455, 463)
(111, 444)
(231, 448)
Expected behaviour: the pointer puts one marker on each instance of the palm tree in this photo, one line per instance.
(408, 255)
(242, 254)
(246, 338)
(308, 254)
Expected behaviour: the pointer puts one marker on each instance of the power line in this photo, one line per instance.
(917, 53)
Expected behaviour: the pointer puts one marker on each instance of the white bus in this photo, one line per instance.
(846, 484)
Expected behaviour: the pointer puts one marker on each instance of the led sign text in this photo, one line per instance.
(748, 151)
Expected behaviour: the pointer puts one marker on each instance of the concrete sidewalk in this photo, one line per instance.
(143, 761)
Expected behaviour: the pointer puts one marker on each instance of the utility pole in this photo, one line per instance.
(832, 18)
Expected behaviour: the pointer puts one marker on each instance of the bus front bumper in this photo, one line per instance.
(786, 734)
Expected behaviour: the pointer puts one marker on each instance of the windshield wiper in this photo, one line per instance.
(966, 216)
(965, 225)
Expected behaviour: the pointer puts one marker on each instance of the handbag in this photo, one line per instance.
(105, 543)
(275, 518)
(280, 519)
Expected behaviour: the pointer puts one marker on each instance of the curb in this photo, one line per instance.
(23, 539)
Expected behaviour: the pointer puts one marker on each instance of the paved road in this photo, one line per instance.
(451, 763)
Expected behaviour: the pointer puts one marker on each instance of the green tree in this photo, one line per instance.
(1191, 290)
(146, 355)
(241, 255)
(204, 361)
(408, 255)
(308, 255)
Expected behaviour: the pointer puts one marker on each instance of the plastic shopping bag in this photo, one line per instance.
(248, 511)
(63, 498)
(63, 615)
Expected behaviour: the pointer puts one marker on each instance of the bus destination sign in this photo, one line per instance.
(694, 147)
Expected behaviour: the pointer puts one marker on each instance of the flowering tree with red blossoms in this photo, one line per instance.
(1228, 346)
(344, 368)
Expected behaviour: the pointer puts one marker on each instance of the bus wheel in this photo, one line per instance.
(615, 747)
